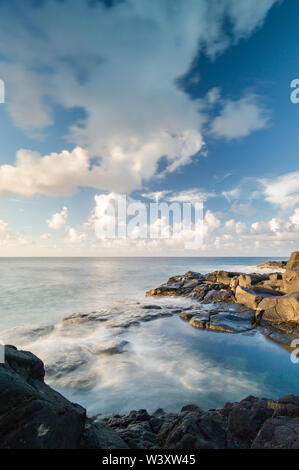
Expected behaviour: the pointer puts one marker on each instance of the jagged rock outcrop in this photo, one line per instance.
(251, 423)
(272, 296)
(34, 416)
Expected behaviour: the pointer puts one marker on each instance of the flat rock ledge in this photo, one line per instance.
(269, 301)
(34, 416)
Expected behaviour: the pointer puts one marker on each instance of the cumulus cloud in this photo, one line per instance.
(295, 218)
(120, 66)
(74, 237)
(58, 220)
(239, 118)
(282, 190)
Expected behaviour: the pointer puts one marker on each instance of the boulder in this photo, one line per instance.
(195, 429)
(186, 315)
(225, 277)
(293, 262)
(246, 418)
(278, 433)
(281, 312)
(166, 289)
(199, 321)
(199, 292)
(194, 275)
(34, 416)
(249, 280)
(138, 429)
(223, 295)
(100, 436)
(291, 281)
(252, 298)
(229, 323)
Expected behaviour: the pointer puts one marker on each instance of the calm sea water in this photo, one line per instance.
(164, 362)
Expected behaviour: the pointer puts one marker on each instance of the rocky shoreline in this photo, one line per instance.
(33, 415)
(242, 302)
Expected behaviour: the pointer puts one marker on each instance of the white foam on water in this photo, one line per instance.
(115, 365)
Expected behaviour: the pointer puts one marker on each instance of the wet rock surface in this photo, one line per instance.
(271, 300)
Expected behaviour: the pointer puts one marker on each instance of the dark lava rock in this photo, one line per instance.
(229, 323)
(278, 433)
(34, 416)
(195, 429)
(246, 419)
(223, 295)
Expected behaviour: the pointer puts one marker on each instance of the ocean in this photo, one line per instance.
(113, 357)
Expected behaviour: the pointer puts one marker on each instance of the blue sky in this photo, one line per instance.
(151, 99)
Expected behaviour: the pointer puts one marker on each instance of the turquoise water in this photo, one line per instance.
(161, 363)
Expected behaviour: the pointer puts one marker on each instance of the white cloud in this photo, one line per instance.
(46, 236)
(190, 195)
(8, 238)
(295, 218)
(156, 195)
(120, 65)
(52, 175)
(74, 237)
(233, 227)
(239, 118)
(211, 222)
(5, 233)
(245, 209)
(58, 220)
(282, 190)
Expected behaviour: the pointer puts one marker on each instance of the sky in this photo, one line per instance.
(161, 101)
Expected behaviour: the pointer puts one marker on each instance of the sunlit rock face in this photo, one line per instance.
(291, 276)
